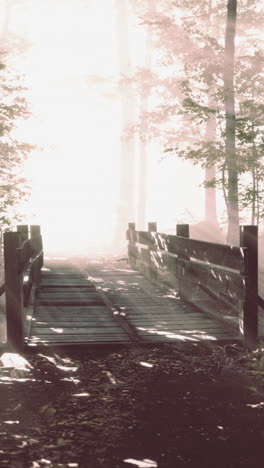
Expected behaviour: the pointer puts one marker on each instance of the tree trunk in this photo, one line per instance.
(210, 135)
(210, 172)
(127, 157)
(229, 99)
(143, 144)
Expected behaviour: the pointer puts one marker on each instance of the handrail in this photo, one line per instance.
(29, 251)
(230, 270)
(19, 258)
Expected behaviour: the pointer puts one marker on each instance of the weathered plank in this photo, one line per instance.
(151, 313)
(58, 330)
(68, 301)
(218, 254)
(14, 291)
(226, 282)
(79, 324)
(79, 338)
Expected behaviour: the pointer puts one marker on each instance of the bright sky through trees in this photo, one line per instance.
(75, 177)
(71, 65)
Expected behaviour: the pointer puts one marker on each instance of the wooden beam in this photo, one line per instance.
(248, 319)
(36, 240)
(14, 292)
(23, 230)
(182, 230)
(222, 281)
(152, 227)
(226, 256)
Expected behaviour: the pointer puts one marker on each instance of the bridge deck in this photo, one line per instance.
(111, 304)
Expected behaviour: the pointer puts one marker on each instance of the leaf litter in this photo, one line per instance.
(168, 406)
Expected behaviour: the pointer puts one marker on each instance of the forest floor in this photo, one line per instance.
(168, 406)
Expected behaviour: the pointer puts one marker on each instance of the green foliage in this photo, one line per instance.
(188, 89)
(13, 108)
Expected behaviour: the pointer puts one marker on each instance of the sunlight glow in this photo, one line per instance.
(71, 379)
(11, 422)
(258, 405)
(146, 463)
(15, 361)
(146, 364)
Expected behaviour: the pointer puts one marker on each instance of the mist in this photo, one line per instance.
(126, 117)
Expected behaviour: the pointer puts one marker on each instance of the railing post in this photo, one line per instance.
(132, 226)
(182, 230)
(248, 316)
(151, 273)
(23, 231)
(152, 227)
(131, 246)
(14, 292)
(36, 267)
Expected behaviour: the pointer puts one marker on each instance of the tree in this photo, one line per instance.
(14, 107)
(230, 117)
(210, 135)
(197, 92)
(127, 159)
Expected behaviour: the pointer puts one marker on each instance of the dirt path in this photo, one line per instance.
(169, 406)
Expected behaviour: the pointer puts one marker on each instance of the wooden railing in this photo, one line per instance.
(227, 272)
(23, 258)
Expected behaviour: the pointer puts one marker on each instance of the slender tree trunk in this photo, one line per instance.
(143, 144)
(253, 208)
(229, 99)
(127, 157)
(210, 172)
(210, 135)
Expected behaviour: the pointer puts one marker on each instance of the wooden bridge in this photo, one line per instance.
(172, 288)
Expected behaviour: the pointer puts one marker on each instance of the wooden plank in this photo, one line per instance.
(189, 325)
(219, 279)
(248, 319)
(168, 313)
(77, 331)
(69, 313)
(62, 274)
(155, 319)
(66, 286)
(68, 302)
(69, 308)
(226, 282)
(217, 254)
(69, 324)
(78, 321)
(79, 338)
(70, 297)
(14, 292)
(197, 333)
(70, 318)
(68, 292)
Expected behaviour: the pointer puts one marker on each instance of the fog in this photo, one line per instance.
(70, 55)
